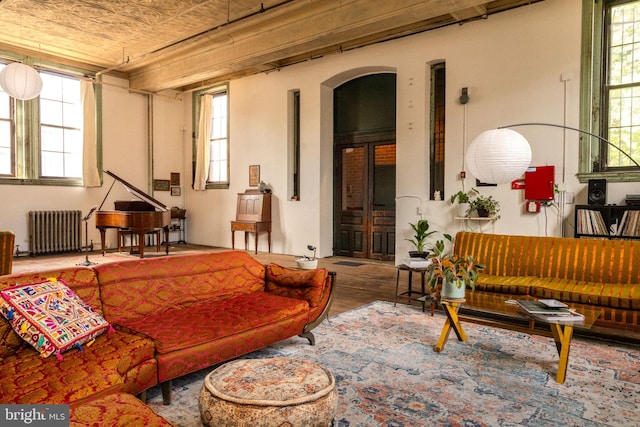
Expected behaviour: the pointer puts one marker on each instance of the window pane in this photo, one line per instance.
(5, 148)
(51, 87)
(52, 139)
(5, 105)
(51, 112)
(52, 164)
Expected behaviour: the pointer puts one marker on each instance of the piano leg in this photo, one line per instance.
(102, 239)
(141, 243)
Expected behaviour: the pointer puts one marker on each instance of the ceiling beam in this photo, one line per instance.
(275, 36)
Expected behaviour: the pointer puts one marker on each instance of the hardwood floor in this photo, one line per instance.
(358, 281)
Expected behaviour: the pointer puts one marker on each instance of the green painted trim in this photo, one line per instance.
(591, 97)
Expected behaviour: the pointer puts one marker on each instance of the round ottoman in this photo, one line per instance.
(268, 392)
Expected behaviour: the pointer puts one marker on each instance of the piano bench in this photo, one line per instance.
(124, 232)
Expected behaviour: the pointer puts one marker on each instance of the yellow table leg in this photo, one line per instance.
(452, 322)
(562, 336)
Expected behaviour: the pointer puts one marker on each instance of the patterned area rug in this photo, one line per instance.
(387, 374)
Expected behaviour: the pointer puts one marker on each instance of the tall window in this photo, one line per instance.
(622, 84)
(294, 145)
(218, 141)
(437, 119)
(41, 138)
(60, 127)
(610, 93)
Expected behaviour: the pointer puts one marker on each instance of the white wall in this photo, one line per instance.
(511, 63)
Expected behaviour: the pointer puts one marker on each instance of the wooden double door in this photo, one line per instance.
(364, 199)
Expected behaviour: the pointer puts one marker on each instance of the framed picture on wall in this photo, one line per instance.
(161, 185)
(175, 178)
(176, 191)
(254, 175)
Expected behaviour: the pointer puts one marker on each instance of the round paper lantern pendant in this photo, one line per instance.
(498, 156)
(20, 81)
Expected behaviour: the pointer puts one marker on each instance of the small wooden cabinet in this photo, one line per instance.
(253, 215)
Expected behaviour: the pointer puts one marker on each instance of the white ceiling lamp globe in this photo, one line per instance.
(498, 156)
(20, 81)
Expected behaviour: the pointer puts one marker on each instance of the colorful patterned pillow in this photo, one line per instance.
(51, 317)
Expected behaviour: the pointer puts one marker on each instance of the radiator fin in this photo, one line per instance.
(54, 232)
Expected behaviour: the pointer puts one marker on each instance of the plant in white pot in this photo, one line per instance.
(307, 263)
(464, 199)
(454, 273)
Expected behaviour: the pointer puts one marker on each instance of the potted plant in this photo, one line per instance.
(454, 273)
(307, 263)
(419, 241)
(463, 201)
(486, 206)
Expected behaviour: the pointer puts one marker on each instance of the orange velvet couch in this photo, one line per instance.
(172, 315)
(602, 273)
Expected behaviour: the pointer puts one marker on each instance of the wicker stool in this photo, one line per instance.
(268, 392)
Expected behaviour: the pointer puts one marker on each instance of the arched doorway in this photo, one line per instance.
(365, 167)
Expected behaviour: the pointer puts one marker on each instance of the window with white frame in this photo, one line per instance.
(41, 139)
(211, 138)
(218, 140)
(610, 95)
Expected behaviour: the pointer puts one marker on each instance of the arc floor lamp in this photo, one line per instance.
(499, 156)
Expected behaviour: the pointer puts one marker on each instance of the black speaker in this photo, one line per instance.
(597, 192)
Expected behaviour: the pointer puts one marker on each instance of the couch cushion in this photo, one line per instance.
(614, 295)
(50, 316)
(182, 328)
(103, 367)
(119, 409)
(302, 284)
(193, 338)
(504, 284)
(136, 288)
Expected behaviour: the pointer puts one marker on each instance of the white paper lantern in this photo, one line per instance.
(498, 156)
(20, 81)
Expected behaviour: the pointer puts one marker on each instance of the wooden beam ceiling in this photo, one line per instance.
(184, 44)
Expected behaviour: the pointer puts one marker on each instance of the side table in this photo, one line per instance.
(422, 293)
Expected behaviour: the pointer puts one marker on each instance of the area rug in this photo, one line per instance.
(387, 374)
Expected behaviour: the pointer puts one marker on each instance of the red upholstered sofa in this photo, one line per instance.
(173, 315)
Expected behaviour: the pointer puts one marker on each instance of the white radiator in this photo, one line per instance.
(54, 232)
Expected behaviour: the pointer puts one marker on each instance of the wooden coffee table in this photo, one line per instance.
(495, 310)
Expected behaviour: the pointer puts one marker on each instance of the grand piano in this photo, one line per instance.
(138, 216)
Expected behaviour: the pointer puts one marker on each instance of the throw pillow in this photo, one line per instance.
(302, 284)
(51, 317)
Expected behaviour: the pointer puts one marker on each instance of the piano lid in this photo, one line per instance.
(137, 192)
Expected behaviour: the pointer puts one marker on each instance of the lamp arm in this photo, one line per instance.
(577, 130)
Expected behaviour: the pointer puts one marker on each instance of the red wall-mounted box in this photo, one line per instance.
(539, 183)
